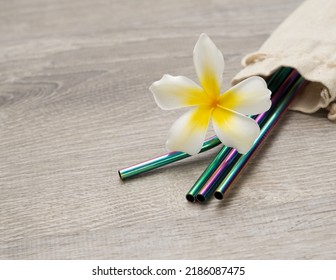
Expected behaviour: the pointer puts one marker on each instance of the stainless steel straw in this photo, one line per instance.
(276, 79)
(162, 160)
(167, 158)
(265, 131)
(221, 171)
(208, 181)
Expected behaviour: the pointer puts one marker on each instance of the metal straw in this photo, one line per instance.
(221, 171)
(265, 131)
(171, 157)
(209, 182)
(162, 160)
(273, 84)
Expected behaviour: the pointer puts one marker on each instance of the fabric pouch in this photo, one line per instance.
(306, 41)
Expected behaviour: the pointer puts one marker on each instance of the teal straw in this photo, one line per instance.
(191, 195)
(220, 172)
(162, 160)
(265, 131)
(273, 83)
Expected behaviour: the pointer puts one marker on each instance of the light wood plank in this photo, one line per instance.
(75, 107)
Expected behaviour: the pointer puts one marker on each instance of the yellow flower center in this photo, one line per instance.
(214, 102)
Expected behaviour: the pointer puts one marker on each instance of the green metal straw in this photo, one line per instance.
(219, 174)
(265, 131)
(274, 82)
(167, 158)
(162, 160)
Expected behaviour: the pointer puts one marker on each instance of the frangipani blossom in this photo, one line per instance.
(227, 110)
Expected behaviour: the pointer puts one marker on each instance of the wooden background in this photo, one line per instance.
(75, 107)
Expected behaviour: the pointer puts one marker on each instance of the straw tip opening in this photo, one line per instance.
(120, 175)
(200, 198)
(190, 197)
(219, 195)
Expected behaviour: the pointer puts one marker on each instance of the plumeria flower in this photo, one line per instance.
(227, 110)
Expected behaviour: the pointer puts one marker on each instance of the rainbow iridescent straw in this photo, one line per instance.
(162, 160)
(170, 157)
(212, 183)
(227, 155)
(273, 84)
(265, 131)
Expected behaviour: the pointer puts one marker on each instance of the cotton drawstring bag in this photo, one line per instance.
(306, 41)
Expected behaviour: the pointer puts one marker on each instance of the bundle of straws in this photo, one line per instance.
(221, 173)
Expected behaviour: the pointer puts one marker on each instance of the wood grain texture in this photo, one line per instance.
(75, 107)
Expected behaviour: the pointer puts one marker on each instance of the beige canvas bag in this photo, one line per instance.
(306, 41)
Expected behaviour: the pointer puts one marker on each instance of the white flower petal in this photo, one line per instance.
(249, 97)
(172, 92)
(209, 64)
(188, 132)
(235, 130)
